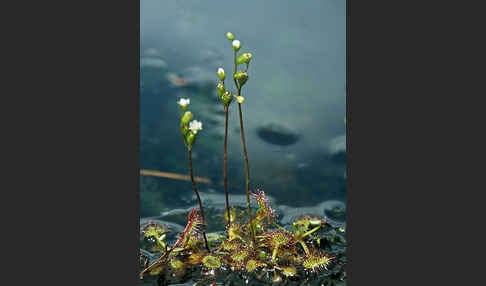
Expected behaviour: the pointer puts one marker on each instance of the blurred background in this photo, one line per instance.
(293, 114)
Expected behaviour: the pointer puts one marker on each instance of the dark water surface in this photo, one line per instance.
(293, 114)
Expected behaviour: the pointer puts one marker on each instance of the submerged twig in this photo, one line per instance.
(174, 176)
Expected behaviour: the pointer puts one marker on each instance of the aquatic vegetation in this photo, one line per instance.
(258, 249)
(276, 250)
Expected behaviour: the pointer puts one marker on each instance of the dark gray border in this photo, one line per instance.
(73, 164)
(408, 166)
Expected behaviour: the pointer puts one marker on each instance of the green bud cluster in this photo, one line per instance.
(241, 77)
(189, 129)
(227, 98)
(220, 89)
(186, 118)
(223, 94)
(244, 58)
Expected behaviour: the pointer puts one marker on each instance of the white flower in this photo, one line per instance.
(183, 102)
(236, 45)
(221, 74)
(195, 126)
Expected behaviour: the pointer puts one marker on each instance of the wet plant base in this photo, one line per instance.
(312, 252)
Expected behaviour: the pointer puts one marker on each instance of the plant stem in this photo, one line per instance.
(247, 173)
(304, 246)
(225, 179)
(274, 253)
(247, 170)
(189, 153)
(311, 231)
(278, 226)
(234, 72)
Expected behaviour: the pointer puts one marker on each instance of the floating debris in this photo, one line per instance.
(196, 76)
(174, 176)
(175, 80)
(277, 134)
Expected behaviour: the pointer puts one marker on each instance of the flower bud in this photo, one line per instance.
(244, 58)
(241, 59)
(226, 98)
(186, 118)
(240, 99)
(221, 74)
(230, 36)
(220, 89)
(236, 45)
(241, 77)
(184, 130)
(190, 138)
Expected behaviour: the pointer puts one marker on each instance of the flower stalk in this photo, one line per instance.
(201, 209)
(225, 178)
(189, 131)
(226, 99)
(236, 46)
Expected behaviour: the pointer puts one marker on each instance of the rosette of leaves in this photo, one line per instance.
(304, 226)
(239, 257)
(190, 232)
(231, 245)
(287, 270)
(252, 264)
(236, 231)
(177, 267)
(157, 233)
(211, 261)
(279, 239)
(264, 209)
(316, 260)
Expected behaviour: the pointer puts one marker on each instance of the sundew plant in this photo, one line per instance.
(254, 248)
